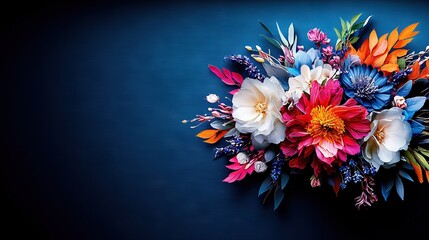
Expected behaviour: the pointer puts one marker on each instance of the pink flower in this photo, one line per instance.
(321, 131)
(318, 37)
(327, 50)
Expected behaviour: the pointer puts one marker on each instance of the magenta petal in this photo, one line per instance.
(351, 147)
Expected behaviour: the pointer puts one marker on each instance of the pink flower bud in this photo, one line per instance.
(399, 101)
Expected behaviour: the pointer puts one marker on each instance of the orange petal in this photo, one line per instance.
(391, 67)
(408, 31)
(427, 175)
(403, 43)
(379, 60)
(415, 71)
(393, 38)
(400, 52)
(392, 58)
(380, 48)
(207, 133)
(216, 138)
(373, 40)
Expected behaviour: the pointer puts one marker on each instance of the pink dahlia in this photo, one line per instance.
(318, 37)
(321, 131)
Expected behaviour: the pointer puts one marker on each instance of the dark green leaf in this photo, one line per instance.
(266, 28)
(399, 187)
(284, 179)
(278, 197)
(401, 63)
(272, 41)
(357, 26)
(354, 39)
(422, 161)
(266, 185)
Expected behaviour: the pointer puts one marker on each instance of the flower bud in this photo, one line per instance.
(399, 101)
(242, 158)
(260, 166)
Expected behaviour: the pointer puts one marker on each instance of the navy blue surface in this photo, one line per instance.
(92, 142)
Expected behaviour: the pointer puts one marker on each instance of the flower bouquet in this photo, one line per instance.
(350, 113)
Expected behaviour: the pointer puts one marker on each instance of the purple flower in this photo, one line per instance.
(318, 37)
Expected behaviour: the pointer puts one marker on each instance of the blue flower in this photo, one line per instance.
(367, 86)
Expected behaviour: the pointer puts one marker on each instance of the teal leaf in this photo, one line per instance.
(386, 187)
(408, 166)
(416, 127)
(278, 197)
(414, 104)
(266, 28)
(405, 175)
(284, 179)
(266, 185)
(399, 187)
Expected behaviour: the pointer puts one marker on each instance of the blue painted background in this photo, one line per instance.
(92, 98)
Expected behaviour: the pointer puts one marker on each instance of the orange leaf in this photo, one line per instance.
(217, 137)
(207, 133)
(418, 171)
(400, 52)
(380, 48)
(363, 51)
(391, 67)
(393, 38)
(415, 72)
(408, 31)
(427, 175)
(379, 61)
(424, 72)
(403, 43)
(373, 40)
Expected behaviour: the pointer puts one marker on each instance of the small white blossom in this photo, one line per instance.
(212, 98)
(242, 158)
(260, 166)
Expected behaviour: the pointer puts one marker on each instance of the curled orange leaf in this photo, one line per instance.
(418, 171)
(215, 138)
(400, 52)
(403, 43)
(207, 133)
(415, 72)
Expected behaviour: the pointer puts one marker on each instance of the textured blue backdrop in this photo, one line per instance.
(93, 95)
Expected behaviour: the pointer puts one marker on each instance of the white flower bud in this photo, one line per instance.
(258, 48)
(248, 48)
(212, 98)
(259, 59)
(242, 158)
(260, 166)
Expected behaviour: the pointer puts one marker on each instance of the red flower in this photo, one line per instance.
(322, 131)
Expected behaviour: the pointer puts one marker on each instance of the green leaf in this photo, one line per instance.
(354, 39)
(355, 18)
(348, 25)
(356, 26)
(338, 33)
(408, 156)
(422, 161)
(266, 28)
(278, 197)
(284, 179)
(272, 41)
(343, 24)
(266, 185)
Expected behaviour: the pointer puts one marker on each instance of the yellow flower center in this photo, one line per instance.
(326, 124)
(261, 107)
(379, 135)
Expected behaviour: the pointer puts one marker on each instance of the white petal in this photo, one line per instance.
(244, 98)
(278, 134)
(245, 114)
(384, 154)
(316, 74)
(306, 73)
(394, 142)
(267, 125)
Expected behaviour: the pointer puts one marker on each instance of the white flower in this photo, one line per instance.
(212, 98)
(389, 134)
(256, 110)
(260, 166)
(302, 83)
(242, 158)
